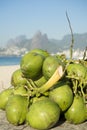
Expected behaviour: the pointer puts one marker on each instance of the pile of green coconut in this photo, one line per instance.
(45, 89)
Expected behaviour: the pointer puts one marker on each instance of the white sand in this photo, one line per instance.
(5, 75)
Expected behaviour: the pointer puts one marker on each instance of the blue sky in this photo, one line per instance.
(26, 17)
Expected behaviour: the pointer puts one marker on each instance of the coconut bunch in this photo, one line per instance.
(45, 89)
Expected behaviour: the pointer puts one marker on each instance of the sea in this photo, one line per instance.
(9, 60)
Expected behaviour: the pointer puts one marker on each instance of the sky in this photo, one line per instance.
(26, 17)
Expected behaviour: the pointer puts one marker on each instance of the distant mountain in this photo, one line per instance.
(80, 41)
(21, 44)
(39, 40)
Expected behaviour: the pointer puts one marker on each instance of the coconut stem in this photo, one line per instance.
(84, 55)
(72, 40)
(55, 77)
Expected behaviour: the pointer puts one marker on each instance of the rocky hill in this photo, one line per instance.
(21, 44)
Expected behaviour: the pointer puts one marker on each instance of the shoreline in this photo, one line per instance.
(5, 75)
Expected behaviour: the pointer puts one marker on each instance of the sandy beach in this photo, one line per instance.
(5, 75)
